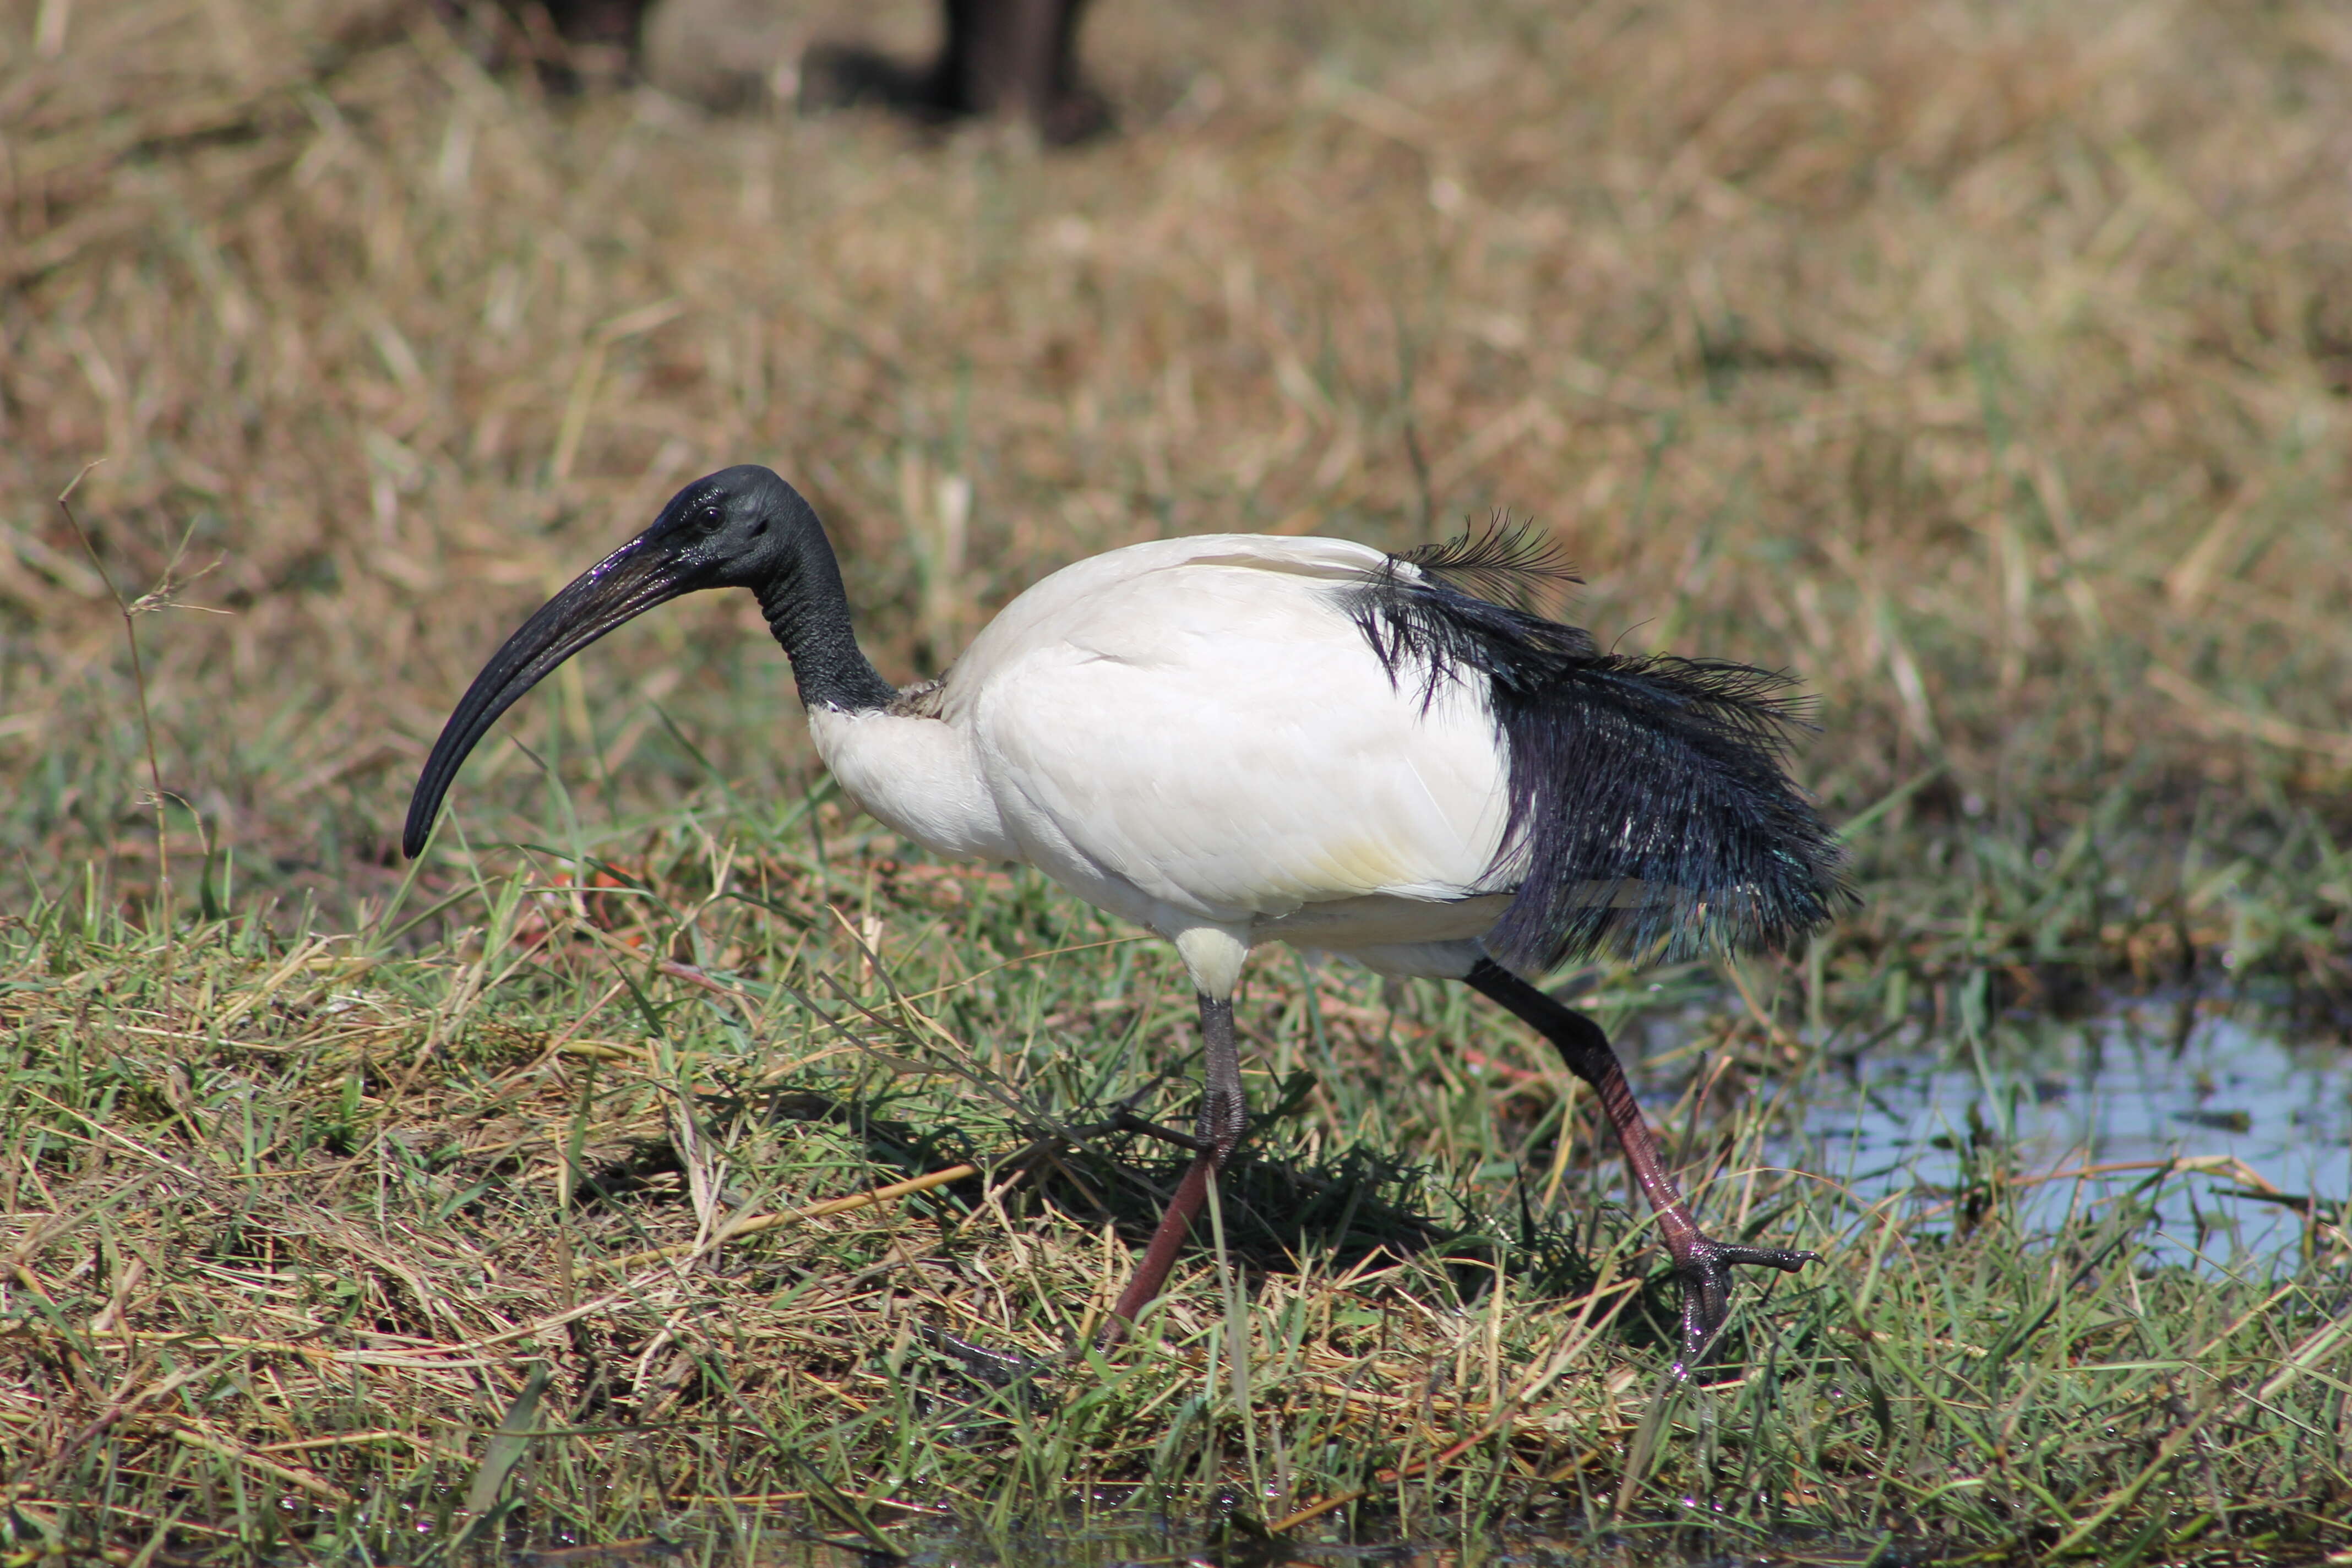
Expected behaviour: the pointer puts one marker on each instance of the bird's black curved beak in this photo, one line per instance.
(634, 578)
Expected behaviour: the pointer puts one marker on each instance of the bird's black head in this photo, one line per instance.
(739, 528)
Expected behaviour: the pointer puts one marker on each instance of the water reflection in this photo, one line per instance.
(2114, 1095)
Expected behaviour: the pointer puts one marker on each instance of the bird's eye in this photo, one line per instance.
(710, 517)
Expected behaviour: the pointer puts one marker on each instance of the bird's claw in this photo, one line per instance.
(1704, 1270)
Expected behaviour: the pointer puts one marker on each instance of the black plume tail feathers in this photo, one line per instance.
(1505, 562)
(1654, 818)
(1651, 813)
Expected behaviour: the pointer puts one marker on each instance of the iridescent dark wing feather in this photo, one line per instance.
(1651, 811)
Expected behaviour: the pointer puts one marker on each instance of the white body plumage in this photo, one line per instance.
(1116, 728)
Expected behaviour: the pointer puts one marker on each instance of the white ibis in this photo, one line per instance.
(1234, 739)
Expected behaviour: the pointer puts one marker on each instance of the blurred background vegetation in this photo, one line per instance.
(1987, 366)
(1990, 367)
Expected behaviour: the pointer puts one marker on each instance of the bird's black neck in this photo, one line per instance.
(809, 612)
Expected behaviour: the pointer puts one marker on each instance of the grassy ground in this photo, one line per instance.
(300, 1223)
(1989, 367)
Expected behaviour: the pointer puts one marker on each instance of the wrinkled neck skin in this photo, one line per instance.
(809, 612)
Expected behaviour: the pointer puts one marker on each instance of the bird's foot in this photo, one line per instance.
(1703, 1267)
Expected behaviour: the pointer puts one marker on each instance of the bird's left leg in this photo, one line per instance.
(1702, 1264)
(1224, 1116)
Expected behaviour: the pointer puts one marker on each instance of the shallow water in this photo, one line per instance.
(2116, 1095)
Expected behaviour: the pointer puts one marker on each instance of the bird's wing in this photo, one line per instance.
(1213, 730)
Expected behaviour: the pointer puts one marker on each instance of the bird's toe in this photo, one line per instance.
(1704, 1271)
(1786, 1259)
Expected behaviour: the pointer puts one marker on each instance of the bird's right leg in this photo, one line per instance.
(1224, 1116)
(1702, 1264)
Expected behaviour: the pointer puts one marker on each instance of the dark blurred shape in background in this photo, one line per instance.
(573, 44)
(1002, 58)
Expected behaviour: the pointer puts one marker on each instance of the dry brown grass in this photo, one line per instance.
(291, 1230)
(1990, 366)
(1986, 366)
